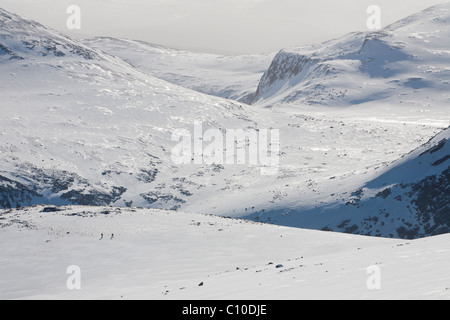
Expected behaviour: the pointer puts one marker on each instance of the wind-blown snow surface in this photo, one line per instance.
(167, 255)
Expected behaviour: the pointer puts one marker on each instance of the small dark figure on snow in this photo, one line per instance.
(112, 236)
(101, 236)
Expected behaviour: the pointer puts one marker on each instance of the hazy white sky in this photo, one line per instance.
(230, 26)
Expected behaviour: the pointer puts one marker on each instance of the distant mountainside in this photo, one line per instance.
(230, 77)
(411, 199)
(407, 62)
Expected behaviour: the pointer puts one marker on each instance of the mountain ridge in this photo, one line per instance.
(80, 126)
(392, 64)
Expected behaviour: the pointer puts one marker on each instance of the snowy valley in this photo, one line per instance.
(86, 147)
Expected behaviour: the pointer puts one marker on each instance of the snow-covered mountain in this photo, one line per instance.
(86, 139)
(407, 62)
(173, 255)
(230, 77)
(24, 39)
(410, 199)
(80, 126)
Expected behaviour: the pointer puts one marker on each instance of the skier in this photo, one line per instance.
(101, 236)
(112, 236)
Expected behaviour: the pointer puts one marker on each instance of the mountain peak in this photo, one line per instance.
(404, 59)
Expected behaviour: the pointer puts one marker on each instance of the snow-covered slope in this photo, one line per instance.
(166, 255)
(231, 77)
(409, 199)
(79, 126)
(405, 63)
